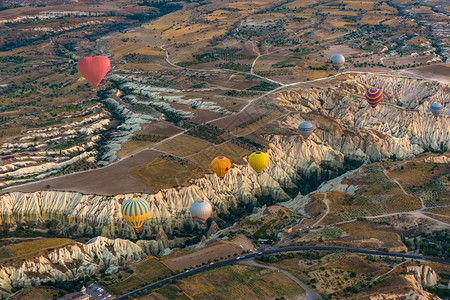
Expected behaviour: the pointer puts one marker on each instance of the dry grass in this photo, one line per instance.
(375, 18)
(394, 22)
(130, 147)
(299, 4)
(256, 125)
(364, 5)
(315, 74)
(240, 282)
(338, 23)
(336, 265)
(36, 293)
(364, 236)
(234, 153)
(162, 174)
(183, 145)
(184, 259)
(25, 249)
(439, 210)
(218, 15)
(439, 217)
(418, 172)
(5, 252)
(146, 271)
(339, 12)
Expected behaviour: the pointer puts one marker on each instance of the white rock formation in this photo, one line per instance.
(350, 126)
(69, 262)
(86, 214)
(425, 275)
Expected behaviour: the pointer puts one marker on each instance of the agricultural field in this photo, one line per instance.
(236, 281)
(183, 259)
(425, 179)
(137, 275)
(239, 282)
(379, 196)
(329, 273)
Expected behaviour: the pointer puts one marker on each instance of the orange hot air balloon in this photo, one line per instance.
(93, 69)
(221, 165)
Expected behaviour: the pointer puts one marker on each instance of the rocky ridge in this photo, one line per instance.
(69, 262)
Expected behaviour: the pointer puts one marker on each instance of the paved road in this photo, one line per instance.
(310, 294)
(274, 251)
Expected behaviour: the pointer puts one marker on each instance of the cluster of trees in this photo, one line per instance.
(436, 244)
(275, 72)
(247, 143)
(222, 54)
(208, 133)
(264, 86)
(235, 66)
(148, 138)
(236, 93)
(139, 58)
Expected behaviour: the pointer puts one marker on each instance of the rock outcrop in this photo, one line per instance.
(162, 236)
(69, 262)
(425, 275)
(214, 228)
(78, 214)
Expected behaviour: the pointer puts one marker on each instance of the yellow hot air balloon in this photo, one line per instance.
(221, 165)
(135, 211)
(258, 161)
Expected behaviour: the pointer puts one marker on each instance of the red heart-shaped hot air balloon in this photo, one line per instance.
(93, 69)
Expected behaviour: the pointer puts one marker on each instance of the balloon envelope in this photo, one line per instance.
(436, 109)
(338, 61)
(93, 69)
(221, 165)
(306, 129)
(135, 211)
(201, 210)
(374, 96)
(258, 161)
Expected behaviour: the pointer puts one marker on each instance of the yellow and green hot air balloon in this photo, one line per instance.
(258, 161)
(135, 211)
(221, 165)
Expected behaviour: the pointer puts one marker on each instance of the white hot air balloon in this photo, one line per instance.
(436, 109)
(305, 129)
(201, 210)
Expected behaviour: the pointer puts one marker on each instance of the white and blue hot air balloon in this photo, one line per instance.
(436, 109)
(338, 61)
(305, 129)
(201, 210)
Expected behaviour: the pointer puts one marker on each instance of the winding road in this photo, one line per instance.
(274, 251)
(310, 294)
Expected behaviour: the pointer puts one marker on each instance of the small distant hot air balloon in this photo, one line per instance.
(436, 109)
(93, 69)
(258, 161)
(201, 210)
(374, 96)
(135, 211)
(337, 61)
(221, 165)
(306, 129)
